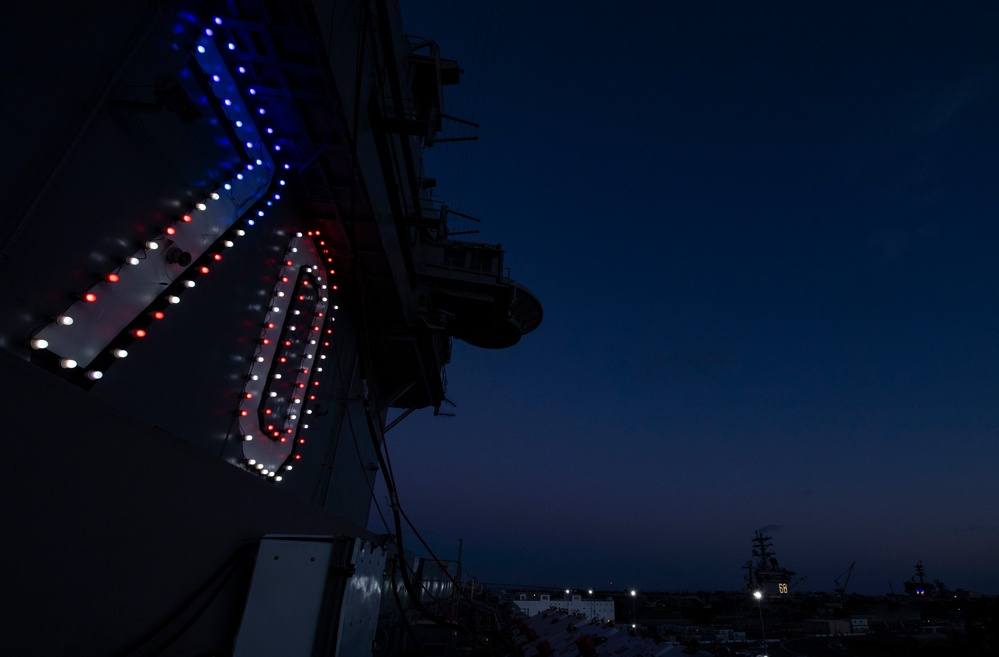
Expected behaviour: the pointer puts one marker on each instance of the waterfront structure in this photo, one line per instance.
(589, 608)
(221, 265)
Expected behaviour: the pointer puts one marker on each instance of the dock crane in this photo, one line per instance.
(848, 573)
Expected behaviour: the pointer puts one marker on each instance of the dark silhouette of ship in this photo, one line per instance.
(764, 573)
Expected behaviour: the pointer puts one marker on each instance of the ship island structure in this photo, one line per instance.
(222, 267)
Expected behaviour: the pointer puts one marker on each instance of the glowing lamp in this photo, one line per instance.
(138, 333)
(67, 363)
(151, 245)
(248, 437)
(112, 278)
(94, 375)
(189, 283)
(64, 320)
(186, 219)
(201, 206)
(89, 297)
(171, 298)
(214, 196)
(119, 353)
(158, 314)
(132, 260)
(170, 230)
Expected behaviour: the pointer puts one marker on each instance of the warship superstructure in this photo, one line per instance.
(221, 265)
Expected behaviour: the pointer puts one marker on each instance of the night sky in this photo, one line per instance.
(764, 236)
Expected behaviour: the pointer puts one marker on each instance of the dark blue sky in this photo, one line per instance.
(765, 236)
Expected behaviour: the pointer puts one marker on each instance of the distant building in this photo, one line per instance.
(590, 608)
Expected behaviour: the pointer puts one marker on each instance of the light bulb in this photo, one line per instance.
(251, 462)
(39, 343)
(201, 206)
(215, 196)
(64, 320)
(132, 260)
(93, 375)
(67, 363)
(173, 299)
(119, 353)
(151, 245)
(189, 283)
(247, 437)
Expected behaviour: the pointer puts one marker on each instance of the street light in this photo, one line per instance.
(763, 631)
(633, 594)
